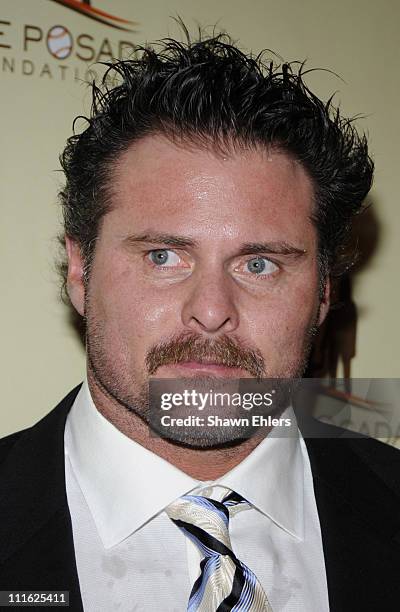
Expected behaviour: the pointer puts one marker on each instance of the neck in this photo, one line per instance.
(200, 464)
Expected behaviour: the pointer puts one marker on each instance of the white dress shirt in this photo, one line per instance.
(132, 557)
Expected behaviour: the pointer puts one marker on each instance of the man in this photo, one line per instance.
(205, 206)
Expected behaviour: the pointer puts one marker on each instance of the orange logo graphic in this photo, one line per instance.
(84, 8)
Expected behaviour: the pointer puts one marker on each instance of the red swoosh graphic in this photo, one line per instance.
(94, 13)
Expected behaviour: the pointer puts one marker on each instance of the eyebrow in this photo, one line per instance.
(248, 248)
(165, 239)
(277, 248)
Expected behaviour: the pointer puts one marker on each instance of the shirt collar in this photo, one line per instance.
(271, 477)
(125, 485)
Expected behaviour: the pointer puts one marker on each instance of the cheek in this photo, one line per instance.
(129, 309)
(280, 322)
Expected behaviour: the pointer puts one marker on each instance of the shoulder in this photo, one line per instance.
(347, 457)
(370, 447)
(33, 437)
(8, 442)
(382, 459)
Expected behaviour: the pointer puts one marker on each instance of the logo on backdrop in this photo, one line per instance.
(84, 7)
(60, 52)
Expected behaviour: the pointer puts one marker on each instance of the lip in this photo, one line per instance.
(210, 368)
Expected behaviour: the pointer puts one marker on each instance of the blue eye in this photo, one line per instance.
(260, 265)
(164, 257)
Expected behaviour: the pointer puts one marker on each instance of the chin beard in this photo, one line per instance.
(146, 406)
(133, 395)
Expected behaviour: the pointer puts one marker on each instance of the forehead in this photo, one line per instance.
(195, 190)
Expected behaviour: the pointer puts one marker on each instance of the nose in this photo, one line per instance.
(210, 307)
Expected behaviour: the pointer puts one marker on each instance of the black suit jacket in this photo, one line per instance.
(357, 489)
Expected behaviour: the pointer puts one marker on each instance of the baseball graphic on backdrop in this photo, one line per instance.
(59, 42)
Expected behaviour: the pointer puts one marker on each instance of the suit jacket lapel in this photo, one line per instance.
(359, 524)
(36, 542)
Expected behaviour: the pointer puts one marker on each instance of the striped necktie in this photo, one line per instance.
(225, 583)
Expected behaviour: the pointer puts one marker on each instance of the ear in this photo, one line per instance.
(75, 284)
(325, 302)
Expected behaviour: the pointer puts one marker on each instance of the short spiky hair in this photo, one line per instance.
(212, 93)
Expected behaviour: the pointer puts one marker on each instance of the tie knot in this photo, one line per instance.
(225, 583)
(206, 521)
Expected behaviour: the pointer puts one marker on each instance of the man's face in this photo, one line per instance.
(205, 266)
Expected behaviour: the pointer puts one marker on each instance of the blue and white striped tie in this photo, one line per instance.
(225, 583)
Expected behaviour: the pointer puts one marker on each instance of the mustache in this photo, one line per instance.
(226, 351)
